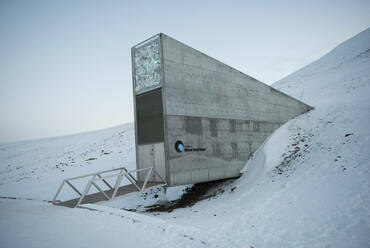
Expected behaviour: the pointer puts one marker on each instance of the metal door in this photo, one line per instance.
(152, 155)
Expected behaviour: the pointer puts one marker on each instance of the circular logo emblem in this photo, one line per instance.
(179, 146)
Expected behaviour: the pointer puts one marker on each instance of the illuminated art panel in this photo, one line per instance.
(147, 65)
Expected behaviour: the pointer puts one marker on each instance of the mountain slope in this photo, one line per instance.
(34, 169)
(307, 185)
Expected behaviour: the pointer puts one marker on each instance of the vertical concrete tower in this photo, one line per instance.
(197, 119)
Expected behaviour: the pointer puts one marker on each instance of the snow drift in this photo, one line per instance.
(307, 185)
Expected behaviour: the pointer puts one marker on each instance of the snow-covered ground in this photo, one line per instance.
(33, 169)
(307, 186)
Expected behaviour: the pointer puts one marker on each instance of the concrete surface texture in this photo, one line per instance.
(220, 115)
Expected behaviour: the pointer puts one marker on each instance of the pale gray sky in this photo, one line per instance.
(65, 65)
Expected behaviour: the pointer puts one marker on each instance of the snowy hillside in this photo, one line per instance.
(307, 186)
(33, 169)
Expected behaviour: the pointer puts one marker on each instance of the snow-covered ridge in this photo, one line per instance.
(307, 185)
(346, 66)
(45, 163)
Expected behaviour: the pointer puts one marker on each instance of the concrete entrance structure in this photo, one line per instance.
(197, 119)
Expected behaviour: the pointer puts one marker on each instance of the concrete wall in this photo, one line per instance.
(148, 109)
(220, 114)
